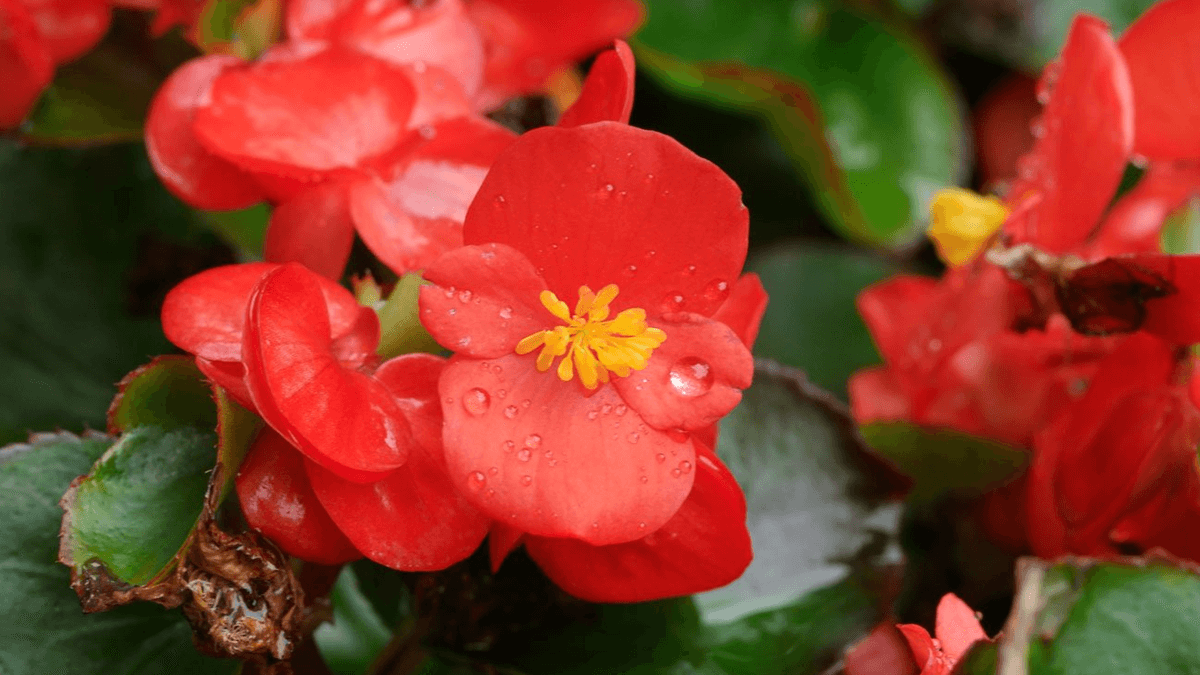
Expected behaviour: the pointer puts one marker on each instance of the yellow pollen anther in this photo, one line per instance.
(592, 345)
(962, 222)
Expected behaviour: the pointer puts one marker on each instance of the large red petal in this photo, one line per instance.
(278, 501)
(314, 19)
(875, 396)
(313, 229)
(308, 117)
(1177, 316)
(608, 203)
(1086, 138)
(1164, 65)
(435, 34)
(534, 452)
(528, 40)
(705, 545)
(25, 64)
(957, 628)
(70, 27)
(230, 375)
(1135, 223)
(694, 378)
(187, 169)
(890, 309)
(607, 94)
(743, 310)
(413, 519)
(483, 301)
(340, 418)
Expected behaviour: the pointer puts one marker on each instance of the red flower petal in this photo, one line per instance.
(926, 654)
(743, 310)
(876, 397)
(70, 27)
(413, 519)
(608, 203)
(502, 540)
(314, 229)
(1086, 140)
(527, 40)
(410, 221)
(311, 117)
(314, 19)
(705, 545)
(187, 169)
(957, 628)
(607, 92)
(340, 418)
(483, 301)
(1135, 222)
(1176, 317)
(693, 379)
(892, 307)
(532, 451)
(1160, 48)
(231, 376)
(435, 34)
(279, 502)
(1003, 119)
(25, 64)
(883, 652)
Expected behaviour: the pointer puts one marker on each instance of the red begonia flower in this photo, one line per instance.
(608, 90)
(70, 27)
(882, 652)
(528, 40)
(957, 629)
(26, 66)
(1109, 453)
(194, 174)
(1135, 222)
(314, 229)
(1085, 138)
(413, 519)
(1165, 68)
(703, 546)
(278, 501)
(609, 214)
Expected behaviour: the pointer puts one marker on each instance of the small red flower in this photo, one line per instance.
(957, 629)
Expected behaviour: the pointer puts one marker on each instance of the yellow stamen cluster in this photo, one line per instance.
(962, 223)
(592, 345)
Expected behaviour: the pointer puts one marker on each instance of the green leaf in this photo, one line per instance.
(1181, 230)
(981, 659)
(811, 321)
(872, 124)
(357, 635)
(74, 227)
(139, 504)
(244, 230)
(941, 461)
(1052, 20)
(44, 630)
(1132, 617)
(168, 392)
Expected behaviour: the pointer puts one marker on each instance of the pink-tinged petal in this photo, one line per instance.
(323, 115)
(502, 540)
(231, 376)
(957, 628)
(1087, 136)
(891, 307)
(1135, 222)
(883, 652)
(743, 310)
(278, 501)
(694, 378)
(528, 40)
(437, 34)
(924, 651)
(1164, 65)
(1176, 317)
(402, 241)
(608, 203)
(190, 171)
(483, 301)
(607, 94)
(70, 27)
(26, 67)
(340, 418)
(532, 451)
(314, 19)
(875, 396)
(314, 229)
(440, 97)
(704, 546)
(414, 519)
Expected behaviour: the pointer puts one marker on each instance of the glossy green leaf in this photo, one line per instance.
(1130, 616)
(811, 321)
(357, 635)
(136, 508)
(940, 461)
(981, 659)
(870, 121)
(168, 392)
(82, 273)
(44, 630)
(1181, 231)
(244, 230)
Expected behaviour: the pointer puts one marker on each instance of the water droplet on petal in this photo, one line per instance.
(533, 441)
(464, 296)
(476, 480)
(506, 313)
(606, 408)
(691, 269)
(452, 311)
(525, 403)
(641, 526)
(685, 466)
(510, 412)
(660, 457)
(620, 409)
(499, 199)
(644, 479)
(476, 402)
(691, 377)
(525, 454)
(676, 473)
(509, 445)
(501, 394)
(593, 414)
(672, 302)
(717, 289)
(608, 187)
(634, 437)
(493, 471)
(527, 480)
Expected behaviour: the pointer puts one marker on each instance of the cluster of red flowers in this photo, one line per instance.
(595, 347)
(1069, 336)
